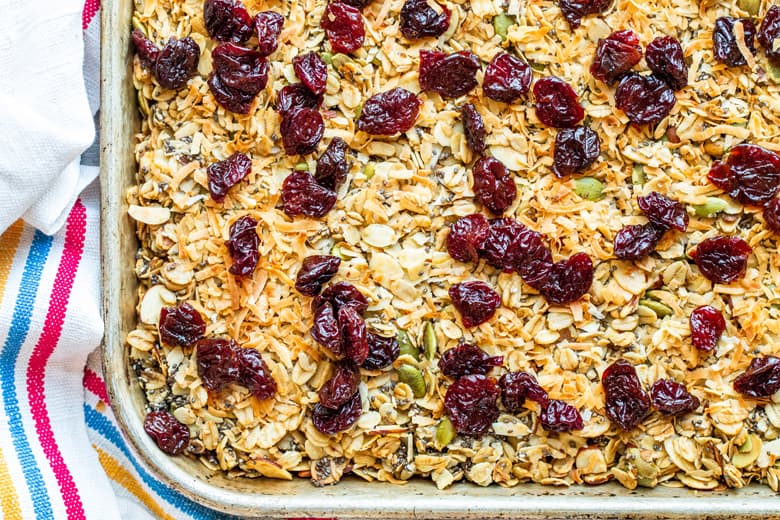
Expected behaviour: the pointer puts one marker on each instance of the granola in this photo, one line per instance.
(389, 227)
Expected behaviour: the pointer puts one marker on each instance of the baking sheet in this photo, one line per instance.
(352, 498)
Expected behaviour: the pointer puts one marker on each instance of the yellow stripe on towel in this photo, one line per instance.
(9, 500)
(124, 478)
(9, 241)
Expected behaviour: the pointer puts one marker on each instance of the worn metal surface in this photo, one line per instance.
(352, 498)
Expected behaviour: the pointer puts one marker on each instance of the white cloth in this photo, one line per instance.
(45, 117)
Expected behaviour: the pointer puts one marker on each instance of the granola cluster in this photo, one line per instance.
(389, 227)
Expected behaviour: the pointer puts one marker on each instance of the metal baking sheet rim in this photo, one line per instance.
(352, 498)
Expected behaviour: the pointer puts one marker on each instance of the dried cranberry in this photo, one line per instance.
(575, 10)
(475, 301)
(507, 78)
(672, 398)
(707, 325)
(227, 21)
(615, 55)
(473, 128)
(223, 175)
(751, 174)
(388, 113)
(466, 237)
(663, 211)
(359, 4)
(315, 272)
(772, 215)
(637, 241)
(268, 25)
(769, 33)
(467, 359)
(646, 100)
(312, 71)
(332, 165)
(254, 374)
(535, 259)
(450, 75)
(344, 27)
(494, 187)
(556, 103)
(419, 19)
(342, 386)
(722, 259)
(761, 379)
(342, 294)
(626, 403)
(666, 59)
(146, 49)
(558, 416)
(243, 246)
(181, 326)
(240, 68)
(222, 362)
(568, 280)
(353, 333)
(575, 150)
(301, 131)
(301, 195)
(724, 40)
(295, 96)
(331, 422)
(217, 363)
(176, 63)
(501, 248)
(231, 99)
(170, 435)
(382, 352)
(326, 330)
(516, 387)
(470, 404)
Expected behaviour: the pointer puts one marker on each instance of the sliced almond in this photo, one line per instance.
(151, 215)
(157, 297)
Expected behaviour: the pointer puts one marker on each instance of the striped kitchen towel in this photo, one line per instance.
(61, 454)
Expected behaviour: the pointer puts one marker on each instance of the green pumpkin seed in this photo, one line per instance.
(445, 432)
(369, 170)
(747, 445)
(638, 174)
(429, 341)
(405, 345)
(750, 6)
(412, 376)
(589, 188)
(327, 57)
(138, 25)
(502, 23)
(773, 72)
(339, 60)
(661, 310)
(302, 166)
(713, 206)
(538, 67)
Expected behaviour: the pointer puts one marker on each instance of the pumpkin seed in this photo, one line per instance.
(638, 174)
(713, 206)
(369, 169)
(429, 341)
(661, 310)
(138, 25)
(412, 376)
(749, 6)
(302, 166)
(405, 345)
(445, 432)
(327, 57)
(501, 23)
(589, 188)
(752, 449)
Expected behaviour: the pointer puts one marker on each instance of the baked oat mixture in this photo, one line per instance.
(559, 381)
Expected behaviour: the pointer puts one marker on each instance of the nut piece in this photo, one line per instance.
(591, 461)
(157, 297)
(412, 376)
(151, 215)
